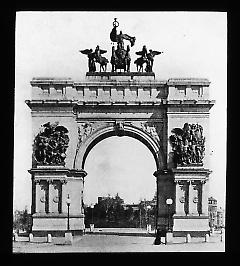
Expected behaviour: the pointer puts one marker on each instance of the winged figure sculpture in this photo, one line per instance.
(95, 56)
(146, 58)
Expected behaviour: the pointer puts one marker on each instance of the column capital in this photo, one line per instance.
(75, 173)
(160, 172)
(194, 182)
(181, 182)
(37, 181)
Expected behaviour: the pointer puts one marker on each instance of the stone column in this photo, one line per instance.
(37, 195)
(64, 197)
(180, 198)
(60, 202)
(47, 196)
(40, 196)
(53, 196)
(193, 198)
(205, 197)
(199, 204)
(186, 203)
(33, 205)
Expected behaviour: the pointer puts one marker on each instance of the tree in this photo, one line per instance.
(22, 220)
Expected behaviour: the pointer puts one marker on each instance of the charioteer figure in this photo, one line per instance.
(120, 37)
(120, 57)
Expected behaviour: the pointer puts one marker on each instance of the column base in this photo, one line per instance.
(196, 226)
(196, 214)
(56, 224)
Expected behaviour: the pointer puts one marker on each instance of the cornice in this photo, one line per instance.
(188, 81)
(57, 170)
(70, 103)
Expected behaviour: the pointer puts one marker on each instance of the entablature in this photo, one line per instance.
(191, 173)
(174, 92)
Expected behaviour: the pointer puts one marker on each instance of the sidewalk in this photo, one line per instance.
(115, 243)
(121, 231)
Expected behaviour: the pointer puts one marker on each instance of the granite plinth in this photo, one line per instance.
(196, 226)
(121, 76)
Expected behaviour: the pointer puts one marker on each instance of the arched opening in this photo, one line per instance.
(120, 168)
(130, 131)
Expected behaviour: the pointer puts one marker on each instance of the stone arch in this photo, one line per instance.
(110, 131)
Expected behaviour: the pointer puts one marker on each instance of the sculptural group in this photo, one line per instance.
(96, 57)
(120, 58)
(50, 144)
(146, 58)
(188, 144)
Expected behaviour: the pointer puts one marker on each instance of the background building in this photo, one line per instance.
(216, 215)
(212, 211)
(220, 218)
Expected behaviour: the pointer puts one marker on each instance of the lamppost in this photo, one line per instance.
(92, 207)
(92, 225)
(140, 224)
(68, 201)
(169, 203)
(148, 222)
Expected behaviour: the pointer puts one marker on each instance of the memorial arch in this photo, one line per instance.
(171, 117)
(150, 115)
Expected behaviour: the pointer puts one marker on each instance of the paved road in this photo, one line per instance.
(115, 243)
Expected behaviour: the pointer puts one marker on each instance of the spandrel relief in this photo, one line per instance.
(152, 128)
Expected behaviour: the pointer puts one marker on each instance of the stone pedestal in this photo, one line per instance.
(15, 237)
(149, 227)
(188, 238)
(49, 238)
(193, 222)
(51, 185)
(169, 238)
(207, 238)
(30, 237)
(91, 227)
(68, 238)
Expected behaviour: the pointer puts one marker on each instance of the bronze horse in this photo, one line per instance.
(103, 61)
(139, 63)
(97, 57)
(146, 58)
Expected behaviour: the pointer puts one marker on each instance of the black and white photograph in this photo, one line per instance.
(120, 122)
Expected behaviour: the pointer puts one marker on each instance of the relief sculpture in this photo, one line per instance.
(50, 144)
(150, 129)
(188, 144)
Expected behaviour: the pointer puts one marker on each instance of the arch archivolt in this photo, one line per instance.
(90, 133)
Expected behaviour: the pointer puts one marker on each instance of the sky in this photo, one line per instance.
(48, 44)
